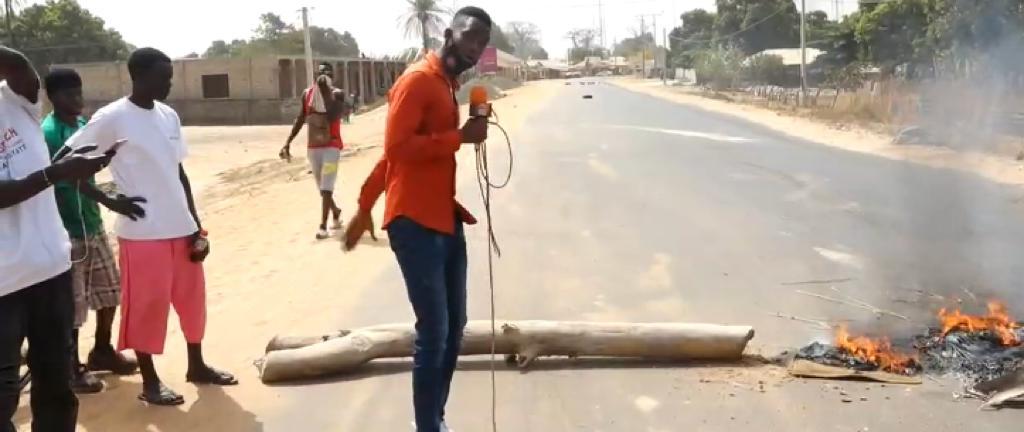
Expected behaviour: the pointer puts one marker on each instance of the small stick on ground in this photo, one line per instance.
(971, 293)
(818, 282)
(820, 324)
(854, 303)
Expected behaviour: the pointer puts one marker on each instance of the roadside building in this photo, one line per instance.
(241, 91)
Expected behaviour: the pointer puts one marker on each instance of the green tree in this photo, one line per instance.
(719, 67)
(695, 35)
(989, 31)
(61, 31)
(769, 24)
(499, 40)
(756, 25)
(765, 69)
(633, 45)
(525, 40)
(275, 37)
(272, 27)
(584, 44)
(896, 34)
(819, 28)
(841, 45)
(10, 14)
(424, 19)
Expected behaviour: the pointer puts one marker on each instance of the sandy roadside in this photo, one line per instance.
(267, 274)
(995, 168)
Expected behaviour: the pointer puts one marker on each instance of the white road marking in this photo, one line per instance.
(840, 257)
(646, 404)
(685, 133)
(657, 277)
(603, 169)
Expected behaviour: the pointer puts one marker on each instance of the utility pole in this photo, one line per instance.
(600, 21)
(310, 73)
(643, 50)
(664, 64)
(803, 52)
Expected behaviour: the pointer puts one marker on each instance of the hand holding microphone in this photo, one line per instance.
(475, 129)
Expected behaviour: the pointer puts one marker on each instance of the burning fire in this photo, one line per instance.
(877, 351)
(998, 322)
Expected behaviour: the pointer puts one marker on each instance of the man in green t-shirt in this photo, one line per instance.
(95, 278)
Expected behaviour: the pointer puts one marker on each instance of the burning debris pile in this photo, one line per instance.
(973, 348)
(861, 353)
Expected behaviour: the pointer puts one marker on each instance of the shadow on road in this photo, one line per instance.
(380, 368)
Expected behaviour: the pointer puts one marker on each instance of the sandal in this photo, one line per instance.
(164, 396)
(212, 376)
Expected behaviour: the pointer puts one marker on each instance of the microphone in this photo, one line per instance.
(478, 105)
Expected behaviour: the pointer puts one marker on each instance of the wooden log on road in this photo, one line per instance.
(293, 358)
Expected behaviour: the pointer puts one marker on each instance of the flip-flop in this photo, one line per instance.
(213, 377)
(164, 397)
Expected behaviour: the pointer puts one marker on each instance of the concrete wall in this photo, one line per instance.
(261, 90)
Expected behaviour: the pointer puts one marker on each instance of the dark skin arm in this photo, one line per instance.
(120, 204)
(14, 192)
(300, 121)
(200, 256)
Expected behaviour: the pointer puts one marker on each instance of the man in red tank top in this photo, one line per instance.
(322, 108)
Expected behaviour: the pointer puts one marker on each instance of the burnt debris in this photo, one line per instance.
(834, 356)
(969, 356)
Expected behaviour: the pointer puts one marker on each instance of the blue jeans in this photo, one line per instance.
(434, 267)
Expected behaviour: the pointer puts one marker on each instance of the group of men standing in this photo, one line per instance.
(55, 259)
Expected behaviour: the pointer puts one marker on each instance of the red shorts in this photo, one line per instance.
(156, 274)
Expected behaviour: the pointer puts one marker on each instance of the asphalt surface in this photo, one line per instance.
(625, 207)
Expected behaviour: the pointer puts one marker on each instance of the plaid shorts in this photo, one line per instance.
(96, 281)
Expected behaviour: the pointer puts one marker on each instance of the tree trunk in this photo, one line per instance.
(292, 358)
(426, 35)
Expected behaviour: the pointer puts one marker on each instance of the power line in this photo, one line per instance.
(737, 32)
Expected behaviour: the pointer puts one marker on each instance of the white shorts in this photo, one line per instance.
(324, 162)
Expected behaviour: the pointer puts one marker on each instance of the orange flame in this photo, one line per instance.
(877, 351)
(997, 321)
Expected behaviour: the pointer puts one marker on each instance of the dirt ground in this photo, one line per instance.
(266, 274)
(993, 167)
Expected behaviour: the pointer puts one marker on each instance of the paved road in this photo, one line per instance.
(626, 207)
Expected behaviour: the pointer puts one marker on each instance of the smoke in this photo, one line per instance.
(956, 235)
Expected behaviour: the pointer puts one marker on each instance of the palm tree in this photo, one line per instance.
(425, 19)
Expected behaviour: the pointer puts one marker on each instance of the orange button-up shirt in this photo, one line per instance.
(420, 140)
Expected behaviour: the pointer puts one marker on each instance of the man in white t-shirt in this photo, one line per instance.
(161, 254)
(36, 300)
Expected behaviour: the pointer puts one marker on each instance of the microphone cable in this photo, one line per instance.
(486, 186)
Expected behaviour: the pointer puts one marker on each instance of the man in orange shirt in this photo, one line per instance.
(423, 220)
